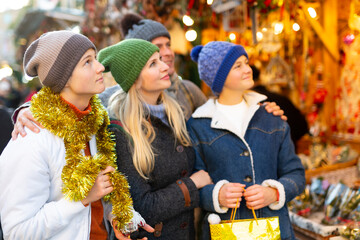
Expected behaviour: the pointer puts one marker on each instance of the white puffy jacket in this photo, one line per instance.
(32, 205)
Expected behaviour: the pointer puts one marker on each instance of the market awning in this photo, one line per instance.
(34, 18)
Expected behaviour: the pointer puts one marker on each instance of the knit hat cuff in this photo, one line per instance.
(147, 30)
(159, 34)
(138, 66)
(232, 55)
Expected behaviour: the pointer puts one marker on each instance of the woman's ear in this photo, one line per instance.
(138, 83)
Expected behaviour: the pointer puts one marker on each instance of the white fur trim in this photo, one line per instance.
(208, 109)
(215, 194)
(276, 184)
(213, 218)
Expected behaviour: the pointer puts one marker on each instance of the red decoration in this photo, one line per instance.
(267, 3)
(311, 117)
(319, 96)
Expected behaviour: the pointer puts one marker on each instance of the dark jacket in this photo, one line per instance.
(296, 120)
(160, 199)
(6, 127)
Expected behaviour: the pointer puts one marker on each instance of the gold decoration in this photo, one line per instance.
(80, 172)
(262, 228)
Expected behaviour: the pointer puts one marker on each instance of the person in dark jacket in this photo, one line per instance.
(152, 144)
(296, 120)
(5, 127)
(5, 135)
(247, 152)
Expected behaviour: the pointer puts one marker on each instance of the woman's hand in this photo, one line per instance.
(119, 235)
(201, 179)
(272, 107)
(101, 187)
(257, 196)
(25, 119)
(230, 194)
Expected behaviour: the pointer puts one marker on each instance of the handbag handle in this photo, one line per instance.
(233, 212)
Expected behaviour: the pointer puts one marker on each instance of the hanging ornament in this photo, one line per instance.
(319, 96)
(278, 72)
(220, 6)
(349, 39)
(235, 20)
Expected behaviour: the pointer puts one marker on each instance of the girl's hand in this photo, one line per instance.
(230, 193)
(257, 196)
(119, 235)
(101, 187)
(201, 179)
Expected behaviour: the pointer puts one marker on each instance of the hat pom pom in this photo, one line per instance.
(195, 53)
(214, 218)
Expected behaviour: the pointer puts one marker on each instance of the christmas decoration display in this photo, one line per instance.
(328, 209)
(347, 104)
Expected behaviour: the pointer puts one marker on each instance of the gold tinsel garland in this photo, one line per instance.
(80, 172)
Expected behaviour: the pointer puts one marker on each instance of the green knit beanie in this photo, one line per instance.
(126, 59)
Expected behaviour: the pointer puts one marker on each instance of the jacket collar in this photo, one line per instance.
(175, 80)
(209, 110)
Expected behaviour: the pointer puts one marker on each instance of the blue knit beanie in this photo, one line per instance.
(215, 60)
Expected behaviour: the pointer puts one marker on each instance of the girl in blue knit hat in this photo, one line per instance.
(241, 145)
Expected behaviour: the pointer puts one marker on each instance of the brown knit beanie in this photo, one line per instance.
(54, 55)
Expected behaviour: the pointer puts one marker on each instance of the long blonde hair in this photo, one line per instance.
(129, 109)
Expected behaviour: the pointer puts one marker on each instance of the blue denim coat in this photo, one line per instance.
(265, 152)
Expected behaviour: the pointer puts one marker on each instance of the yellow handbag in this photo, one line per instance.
(246, 229)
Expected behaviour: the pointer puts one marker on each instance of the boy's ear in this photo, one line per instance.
(67, 83)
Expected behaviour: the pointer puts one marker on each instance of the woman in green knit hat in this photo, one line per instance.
(152, 143)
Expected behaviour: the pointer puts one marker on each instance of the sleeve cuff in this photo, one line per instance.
(215, 195)
(280, 188)
(136, 221)
(193, 191)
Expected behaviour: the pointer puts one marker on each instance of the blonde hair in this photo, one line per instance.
(129, 109)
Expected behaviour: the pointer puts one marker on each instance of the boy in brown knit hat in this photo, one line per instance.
(53, 184)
